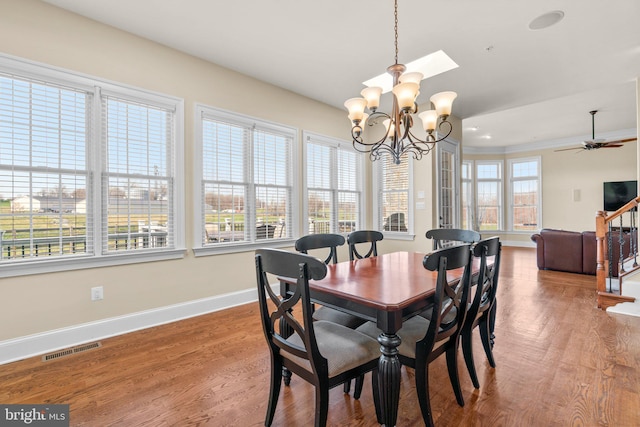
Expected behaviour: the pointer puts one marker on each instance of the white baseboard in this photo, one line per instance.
(518, 243)
(46, 342)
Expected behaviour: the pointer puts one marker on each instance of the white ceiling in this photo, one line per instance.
(518, 85)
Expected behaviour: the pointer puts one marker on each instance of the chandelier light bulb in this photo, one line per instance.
(390, 127)
(406, 94)
(356, 108)
(414, 77)
(443, 102)
(372, 95)
(429, 119)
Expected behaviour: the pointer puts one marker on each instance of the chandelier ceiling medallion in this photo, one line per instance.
(397, 139)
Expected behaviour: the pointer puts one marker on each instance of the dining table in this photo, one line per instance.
(386, 289)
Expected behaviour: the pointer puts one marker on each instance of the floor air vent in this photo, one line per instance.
(70, 351)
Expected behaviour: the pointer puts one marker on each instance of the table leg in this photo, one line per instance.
(389, 378)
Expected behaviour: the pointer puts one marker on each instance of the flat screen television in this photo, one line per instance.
(619, 193)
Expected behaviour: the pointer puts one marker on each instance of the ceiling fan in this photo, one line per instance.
(593, 143)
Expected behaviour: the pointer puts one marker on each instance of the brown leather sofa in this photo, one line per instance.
(574, 251)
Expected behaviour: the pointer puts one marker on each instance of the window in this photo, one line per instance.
(245, 170)
(467, 195)
(524, 194)
(488, 195)
(393, 187)
(334, 185)
(84, 176)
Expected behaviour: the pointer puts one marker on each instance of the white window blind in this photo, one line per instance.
(137, 180)
(334, 189)
(247, 179)
(88, 171)
(393, 195)
(44, 131)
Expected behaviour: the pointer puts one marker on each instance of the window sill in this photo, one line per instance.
(40, 266)
(390, 235)
(229, 248)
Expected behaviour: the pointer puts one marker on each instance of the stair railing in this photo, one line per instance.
(612, 240)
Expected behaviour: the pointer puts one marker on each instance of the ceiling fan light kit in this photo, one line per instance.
(595, 144)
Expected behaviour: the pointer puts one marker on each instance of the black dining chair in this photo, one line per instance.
(323, 353)
(481, 313)
(424, 340)
(363, 236)
(443, 237)
(331, 242)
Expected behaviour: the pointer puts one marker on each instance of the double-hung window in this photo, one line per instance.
(245, 171)
(489, 205)
(87, 171)
(393, 186)
(333, 185)
(524, 194)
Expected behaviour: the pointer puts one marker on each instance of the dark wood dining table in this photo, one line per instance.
(386, 289)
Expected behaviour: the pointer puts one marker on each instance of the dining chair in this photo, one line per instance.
(331, 242)
(481, 313)
(363, 236)
(443, 237)
(323, 353)
(424, 340)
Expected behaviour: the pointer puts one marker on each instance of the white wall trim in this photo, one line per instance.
(518, 243)
(46, 342)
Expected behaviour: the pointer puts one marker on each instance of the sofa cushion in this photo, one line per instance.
(562, 250)
(589, 249)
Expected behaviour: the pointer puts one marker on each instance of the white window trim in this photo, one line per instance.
(52, 74)
(510, 196)
(472, 184)
(199, 249)
(500, 190)
(377, 208)
(457, 210)
(336, 143)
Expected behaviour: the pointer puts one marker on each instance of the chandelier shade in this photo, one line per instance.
(398, 139)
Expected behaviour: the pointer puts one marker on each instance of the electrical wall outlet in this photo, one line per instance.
(97, 293)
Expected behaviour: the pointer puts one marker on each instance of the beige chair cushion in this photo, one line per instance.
(411, 332)
(336, 316)
(343, 348)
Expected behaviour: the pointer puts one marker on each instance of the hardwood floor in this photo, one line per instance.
(560, 362)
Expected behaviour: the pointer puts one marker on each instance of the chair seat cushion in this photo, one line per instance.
(336, 316)
(412, 331)
(343, 348)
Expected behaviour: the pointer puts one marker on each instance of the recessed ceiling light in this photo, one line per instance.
(430, 65)
(486, 137)
(546, 20)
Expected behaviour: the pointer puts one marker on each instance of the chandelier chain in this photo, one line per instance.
(395, 27)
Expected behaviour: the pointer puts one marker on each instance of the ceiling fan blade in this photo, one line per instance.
(611, 145)
(620, 141)
(568, 149)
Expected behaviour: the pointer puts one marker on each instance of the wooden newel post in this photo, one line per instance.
(601, 232)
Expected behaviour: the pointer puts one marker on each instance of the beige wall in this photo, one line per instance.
(568, 171)
(40, 32)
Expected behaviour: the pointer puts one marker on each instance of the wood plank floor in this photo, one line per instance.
(560, 362)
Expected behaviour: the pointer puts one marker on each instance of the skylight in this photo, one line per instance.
(431, 65)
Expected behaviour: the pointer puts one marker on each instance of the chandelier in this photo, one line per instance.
(398, 139)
